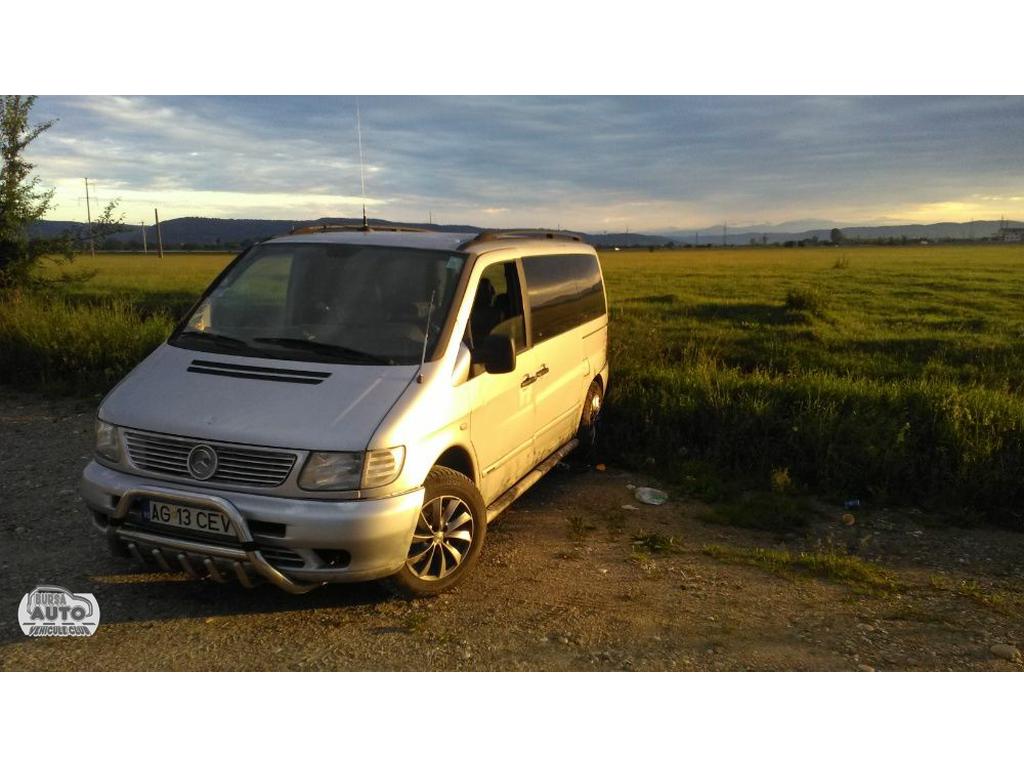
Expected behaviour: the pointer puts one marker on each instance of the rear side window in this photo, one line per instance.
(564, 292)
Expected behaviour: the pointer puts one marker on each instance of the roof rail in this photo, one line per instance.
(521, 234)
(311, 229)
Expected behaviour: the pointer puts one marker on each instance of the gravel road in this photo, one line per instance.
(561, 585)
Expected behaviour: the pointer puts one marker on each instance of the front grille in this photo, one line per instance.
(168, 455)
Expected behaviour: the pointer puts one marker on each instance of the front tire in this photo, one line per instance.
(448, 537)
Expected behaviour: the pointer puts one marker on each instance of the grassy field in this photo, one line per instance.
(892, 375)
(169, 285)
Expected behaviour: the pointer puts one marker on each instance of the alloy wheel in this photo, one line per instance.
(443, 536)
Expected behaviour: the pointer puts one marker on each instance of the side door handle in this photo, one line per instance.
(543, 370)
(527, 381)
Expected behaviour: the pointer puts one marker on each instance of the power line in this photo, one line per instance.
(88, 216)
(159, 236)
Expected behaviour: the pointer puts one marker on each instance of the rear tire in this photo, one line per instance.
(589, 422)
(448, 536)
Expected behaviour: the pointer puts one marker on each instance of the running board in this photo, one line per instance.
(504, 501)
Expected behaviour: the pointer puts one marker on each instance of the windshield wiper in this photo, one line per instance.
(217, 338)
(319, 347)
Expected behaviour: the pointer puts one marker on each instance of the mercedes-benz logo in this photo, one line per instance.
(202, 462)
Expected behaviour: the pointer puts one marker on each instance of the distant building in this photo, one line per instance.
(1011, 234)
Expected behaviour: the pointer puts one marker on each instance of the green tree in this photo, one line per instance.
(23, 202)
(836, 235)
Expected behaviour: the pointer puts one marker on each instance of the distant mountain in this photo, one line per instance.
(209, 231)
(785, 227)
(626, 240)
(779, 234)
(943, 230)
(200, 232)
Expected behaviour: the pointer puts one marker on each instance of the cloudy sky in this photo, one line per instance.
(600, 164)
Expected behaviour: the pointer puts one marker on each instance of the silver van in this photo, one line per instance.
(346, 404)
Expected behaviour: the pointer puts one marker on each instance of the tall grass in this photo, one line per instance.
(899, 442)
(56, 345)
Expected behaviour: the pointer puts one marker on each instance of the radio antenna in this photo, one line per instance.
(426, 335)
(362, 165)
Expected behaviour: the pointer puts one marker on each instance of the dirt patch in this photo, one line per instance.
(569, 580)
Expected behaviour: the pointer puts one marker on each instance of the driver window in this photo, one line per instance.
(498, 305)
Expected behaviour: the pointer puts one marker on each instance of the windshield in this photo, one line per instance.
(332, 303)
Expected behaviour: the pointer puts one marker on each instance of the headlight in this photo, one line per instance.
(349, 471)
(108, 444)
(332, 472)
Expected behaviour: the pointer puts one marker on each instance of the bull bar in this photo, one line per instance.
(247, 554)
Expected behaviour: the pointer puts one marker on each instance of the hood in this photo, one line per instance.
(256, 400)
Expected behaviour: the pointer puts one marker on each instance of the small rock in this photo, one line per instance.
(602, 571)
(865, 668)
(20, 529)
(600, 467)
(630, 507)
(1006, 651)
(630, 487)
(848, 519)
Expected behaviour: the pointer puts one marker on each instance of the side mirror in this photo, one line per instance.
(496, 353)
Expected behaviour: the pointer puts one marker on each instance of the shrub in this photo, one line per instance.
(810, 300)
(59, 346)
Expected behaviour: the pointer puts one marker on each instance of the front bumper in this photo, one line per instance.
(280, 540)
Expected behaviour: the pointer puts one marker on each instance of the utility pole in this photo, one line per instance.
(88, 216)
(725, 229)
(159, 237)
(145, 250)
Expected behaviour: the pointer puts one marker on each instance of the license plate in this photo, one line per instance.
(178, 516)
